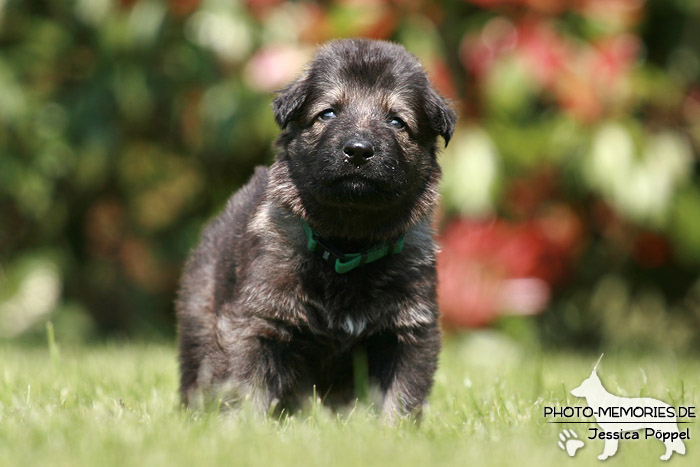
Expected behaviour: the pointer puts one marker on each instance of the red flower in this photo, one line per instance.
(491, 268)
(545, 50)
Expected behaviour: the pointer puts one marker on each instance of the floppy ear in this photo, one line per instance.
(288, 103)
(442, 117)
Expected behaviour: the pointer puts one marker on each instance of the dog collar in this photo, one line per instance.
(346, 262)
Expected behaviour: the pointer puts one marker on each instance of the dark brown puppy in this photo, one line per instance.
(263, 317)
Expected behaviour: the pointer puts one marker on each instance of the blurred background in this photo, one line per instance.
(571, 202)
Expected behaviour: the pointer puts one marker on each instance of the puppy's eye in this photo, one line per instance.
(328, 114)
(397, 123)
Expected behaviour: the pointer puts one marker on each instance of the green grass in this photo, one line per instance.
(116, 404)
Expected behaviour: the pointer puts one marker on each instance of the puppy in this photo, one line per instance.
(320, 272)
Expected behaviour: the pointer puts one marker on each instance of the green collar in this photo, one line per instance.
(346, 262)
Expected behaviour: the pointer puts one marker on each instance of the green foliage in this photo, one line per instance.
(125, 124)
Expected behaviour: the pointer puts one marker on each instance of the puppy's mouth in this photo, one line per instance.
(355, 182)
(359, 191)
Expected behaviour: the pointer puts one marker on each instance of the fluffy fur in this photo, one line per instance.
(260, 316)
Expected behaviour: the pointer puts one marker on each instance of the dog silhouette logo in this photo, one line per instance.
(622, 417)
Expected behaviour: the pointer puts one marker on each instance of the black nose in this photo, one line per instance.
(358, 151)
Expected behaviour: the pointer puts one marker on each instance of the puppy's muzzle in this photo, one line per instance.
(358, 151)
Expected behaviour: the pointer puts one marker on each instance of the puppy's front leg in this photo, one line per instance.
(404, 365)
(263, 366)
(273, 377)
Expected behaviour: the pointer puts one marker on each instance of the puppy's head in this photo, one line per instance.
(360, 127)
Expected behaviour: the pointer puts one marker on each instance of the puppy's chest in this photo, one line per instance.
(347, 312)
(339, 307)
(287, 283)
(345, 309)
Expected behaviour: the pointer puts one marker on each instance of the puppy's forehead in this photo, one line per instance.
(362, 70)
(366, 63)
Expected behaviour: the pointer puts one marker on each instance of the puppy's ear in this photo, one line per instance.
(287, 105)
(442, 117)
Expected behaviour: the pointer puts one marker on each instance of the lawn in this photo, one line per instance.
(116, 404)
